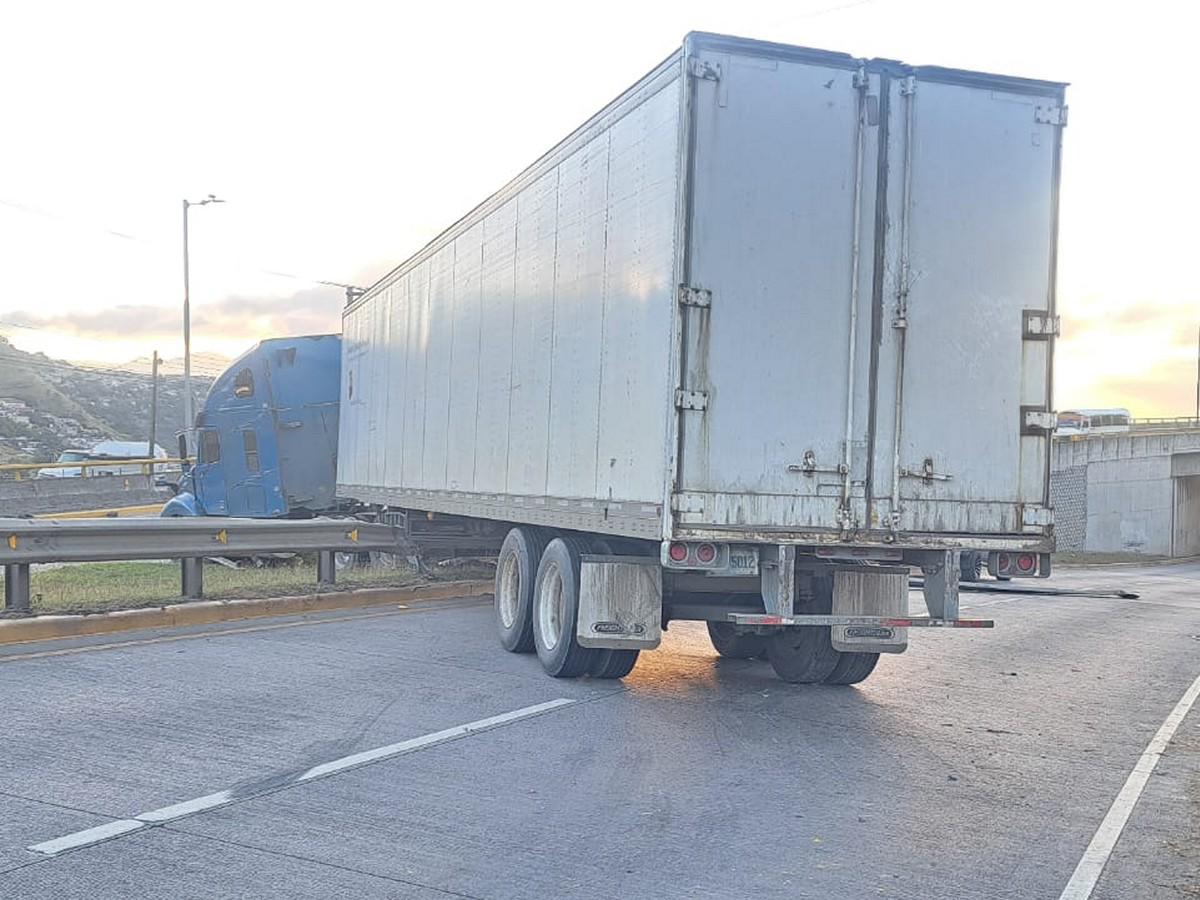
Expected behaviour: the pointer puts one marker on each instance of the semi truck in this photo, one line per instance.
(768, 332)
(266, 435)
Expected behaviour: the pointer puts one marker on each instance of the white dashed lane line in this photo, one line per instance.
(120, 827)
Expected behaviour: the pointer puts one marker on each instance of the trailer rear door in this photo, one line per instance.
(967, 304)
(868, 297)
(781, 175)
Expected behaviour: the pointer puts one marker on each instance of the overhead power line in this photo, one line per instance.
(112, 232)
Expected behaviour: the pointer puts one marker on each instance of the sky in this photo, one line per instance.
(344, 136)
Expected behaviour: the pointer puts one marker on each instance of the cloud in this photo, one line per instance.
(310, 311)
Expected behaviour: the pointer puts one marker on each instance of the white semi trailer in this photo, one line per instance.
(768, 331)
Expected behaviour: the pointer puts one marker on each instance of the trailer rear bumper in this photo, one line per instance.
(768, 620)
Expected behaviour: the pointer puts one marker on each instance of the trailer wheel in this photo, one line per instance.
(516, 571)
(614, 663)
(971, 566)
(802, 654)
(852, 668)
(731, 644)
(556, 611)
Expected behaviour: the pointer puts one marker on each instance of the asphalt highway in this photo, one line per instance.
(401, 753)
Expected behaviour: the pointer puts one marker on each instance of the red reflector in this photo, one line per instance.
(1026, 562)
(678, 552)
(706, 553)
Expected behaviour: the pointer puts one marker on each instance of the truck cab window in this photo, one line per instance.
(243, 384)
(250, 446)
(210, 446)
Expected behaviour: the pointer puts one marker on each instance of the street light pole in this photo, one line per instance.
(189, 413)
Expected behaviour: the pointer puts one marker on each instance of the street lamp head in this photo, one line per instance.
(211, 198)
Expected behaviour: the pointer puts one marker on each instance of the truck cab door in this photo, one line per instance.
(208, 473)
(257, 491)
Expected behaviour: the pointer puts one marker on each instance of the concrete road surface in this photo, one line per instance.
(980, 764)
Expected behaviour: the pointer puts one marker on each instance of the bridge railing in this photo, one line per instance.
(91, 468)
(1164, 422)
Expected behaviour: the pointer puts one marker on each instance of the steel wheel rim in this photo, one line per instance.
(550, 607)
(509, 594)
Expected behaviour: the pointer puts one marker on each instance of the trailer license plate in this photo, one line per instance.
(743, 560)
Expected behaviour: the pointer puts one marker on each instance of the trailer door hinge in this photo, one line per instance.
(690, 296)
(691, 400)
(687, 503)
(1037, 420)
(1038, 325)
(1037, 516)
(700, 68)
(1050, 115)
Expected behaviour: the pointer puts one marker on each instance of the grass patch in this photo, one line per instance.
(77, 588)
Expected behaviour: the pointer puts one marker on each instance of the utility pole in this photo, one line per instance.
(1198, 376)
(189, 413)
(153, 408)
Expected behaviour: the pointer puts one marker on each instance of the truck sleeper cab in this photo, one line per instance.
(266, 436)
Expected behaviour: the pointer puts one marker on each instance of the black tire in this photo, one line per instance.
(733, 645)
(970, 566)
(802, 655)
(556, 611)
(852, 668)
(516, 573)
(614, 663)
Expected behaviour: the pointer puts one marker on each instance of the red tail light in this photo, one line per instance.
(1026, 562)
(678, 552)
(706, 553)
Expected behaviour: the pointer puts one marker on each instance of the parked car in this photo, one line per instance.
(106, 451)
(67, 456)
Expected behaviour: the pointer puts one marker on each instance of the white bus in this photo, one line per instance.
(1093, 421)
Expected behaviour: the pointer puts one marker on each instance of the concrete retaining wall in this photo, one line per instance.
(1119, 493)
(32, 496)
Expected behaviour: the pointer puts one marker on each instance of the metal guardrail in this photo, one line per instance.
(24, 542)
(1169, 422)
(19, 471)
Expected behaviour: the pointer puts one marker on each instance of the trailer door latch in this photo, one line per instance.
(691, 400)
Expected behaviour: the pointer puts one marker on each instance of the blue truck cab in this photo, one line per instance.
(266, 437)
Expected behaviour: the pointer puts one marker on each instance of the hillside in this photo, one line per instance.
(48, 405)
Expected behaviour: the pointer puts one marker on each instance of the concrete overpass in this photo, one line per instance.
(1135, 491)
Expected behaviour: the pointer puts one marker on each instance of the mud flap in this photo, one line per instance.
(870, 591)
(620, 602)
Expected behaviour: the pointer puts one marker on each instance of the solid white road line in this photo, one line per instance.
(1087, 873)
(211, 801)
(87, 836)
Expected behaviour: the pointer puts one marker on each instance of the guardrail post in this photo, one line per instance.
(192, 570)
(326, 567)
(16, 587)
